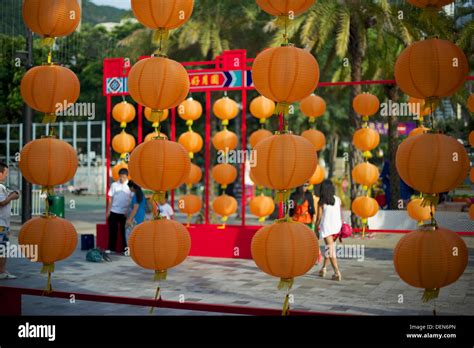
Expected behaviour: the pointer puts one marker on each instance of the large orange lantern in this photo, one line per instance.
(285, 161)
(258, 136)
(190, 205)
(224, 206)
(417, 211)
(365, 207)
(123, 143)
(159, 165)
(430, 259)
(262, 108)
(366, 104)
(430, 3)
(285, 250)
(123, 113)
(286, 75)
(225, 109)
(262, 206)
(313, 106)
(116, 170)
(190, 110)
(159, 245)
(51, 18)
(285, 8)
(50, 89)
(365, 174)
(195, 175)
(158, 83)
(316, 138)
(224, 174)
(225, 140)
(432, 163)
(191, 141)
(56, 239)
(366, 139)
(48, 162)
(162, 15)
(431, 69)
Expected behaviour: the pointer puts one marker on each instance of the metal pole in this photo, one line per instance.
(27, 123)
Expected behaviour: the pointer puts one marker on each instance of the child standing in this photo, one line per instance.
(6, 196)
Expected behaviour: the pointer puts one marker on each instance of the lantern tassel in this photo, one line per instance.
(282, 196)
(48, 42)
(364, 225)
(430, 294)
(367, 154)
(156, 116)
(49, 118)
(48, 268)
(429, 200)
(189, 123)
(262, 219)
(263, 121)
(282, 108)
(159, 197)
(286, 306)
(157, 298)
(286, 284)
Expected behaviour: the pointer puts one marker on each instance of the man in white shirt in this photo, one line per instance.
(6, 196)
(119, 204)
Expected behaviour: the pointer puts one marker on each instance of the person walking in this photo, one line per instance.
(330, 223)
(137, 211)
(119, 204)
(6, 196)
(302, 206)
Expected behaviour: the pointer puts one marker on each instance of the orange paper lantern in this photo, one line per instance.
(316, 138)
(224, 206)
(224, 174)
(153, 135)
(262, 108)
(162, 14)
(159, 245)
(48, 162)
(318, 176)
(262, 206)
(190, 204)
(123, 113)
(365, 207)
(471, 138)
(163, 116)
(365, 174)
(366, 104)
(51, 18)
(418, 131)
(430, 3)
(191, 141)
(470, 103)
(225, 140)
(285, 74)
(159, 165)
(419, 107)
(284, 162)
(190, 110)
(431, 69)
(471, 174)
(225, 108)
(285, 250)
(313, 106)
(432, 163)
(430, 259)
(50, 88)
(417, 212)
(285, 7)
(158, 83)
(195, 175)
(116, 170)
(123, 143)
(366, 139)
(258, 136)
(55, 237)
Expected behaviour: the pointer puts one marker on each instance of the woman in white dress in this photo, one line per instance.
(330, 223)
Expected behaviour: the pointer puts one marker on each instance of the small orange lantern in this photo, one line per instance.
(366, 104)
(417, 211)
(365, 174)
(430, 3)
(162, 15)
(224, 174)
(430, 259)
(224, 206)
(190, 110)
(195, 175)
(313, 107)
(190, 205)
(123, 113)
(365, 207)
(116, 170)
(191, 141)
(225, 109)
(285, 8)
(418, 131)
(225, 140)
(262, 108)
(316, 138)
(318, 176)
(366, 139)
(123, 143)
(258, 136)
(262, 206)
(48, 162)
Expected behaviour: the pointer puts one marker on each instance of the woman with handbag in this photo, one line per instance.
(330, 224)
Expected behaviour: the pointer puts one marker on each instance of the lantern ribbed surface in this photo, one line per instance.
(225, 140)
(315, 137)
(162, 14)
(258, 136)
(285, 7)
(224, 205)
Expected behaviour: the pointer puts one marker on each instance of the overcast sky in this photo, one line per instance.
(116, 3)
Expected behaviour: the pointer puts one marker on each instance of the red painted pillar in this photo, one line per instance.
(244, 144)
(140, 124)
(10, 302)
(173, 138)
(281, 124)
(207, 159)
(108, 135)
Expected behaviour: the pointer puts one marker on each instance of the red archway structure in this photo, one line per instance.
(230, 71)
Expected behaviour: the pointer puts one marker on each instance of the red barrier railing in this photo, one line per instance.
(462, 233)
(10, 303)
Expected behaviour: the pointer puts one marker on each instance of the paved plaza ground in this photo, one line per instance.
(369, 287)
